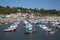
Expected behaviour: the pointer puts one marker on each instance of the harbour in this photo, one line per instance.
(19, 34)
(29, 20)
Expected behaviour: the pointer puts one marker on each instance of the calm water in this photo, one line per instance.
(19, 34)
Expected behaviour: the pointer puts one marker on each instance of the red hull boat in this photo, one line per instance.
(9, 30)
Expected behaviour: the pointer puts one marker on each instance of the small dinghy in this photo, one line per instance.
(12, 27)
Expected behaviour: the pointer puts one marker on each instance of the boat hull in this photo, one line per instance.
(30, 31)
(9, 30)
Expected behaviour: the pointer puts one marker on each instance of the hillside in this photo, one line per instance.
(37, 12)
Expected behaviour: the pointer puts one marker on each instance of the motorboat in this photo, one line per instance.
(48, 29)
(50, 32)
(12, 27)
(44, 27)
(28, 27)
(9, 29)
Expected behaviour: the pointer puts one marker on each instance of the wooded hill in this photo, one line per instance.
(37, 12)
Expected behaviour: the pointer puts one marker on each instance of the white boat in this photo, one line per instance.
(25, 22)
(16, 23)
(48, 29)
(6, 23)
(44, 27)
(51, 32)
(12, 27)
(58, 25)
(28, 27)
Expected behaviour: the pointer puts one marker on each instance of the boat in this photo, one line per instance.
(29, 28)
(50, 32)
(6, 23)
(57, 25)
(48, 29)
(9, 29)
(30, 31)
(16, 23)
(44, 27)
(12, 27)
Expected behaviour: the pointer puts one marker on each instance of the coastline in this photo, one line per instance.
(11, 19)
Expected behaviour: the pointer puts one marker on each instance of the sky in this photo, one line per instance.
(39, 4)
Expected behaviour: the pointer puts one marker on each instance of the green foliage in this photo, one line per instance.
(37, 12)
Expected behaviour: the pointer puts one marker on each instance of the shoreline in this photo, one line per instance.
(3, 20)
